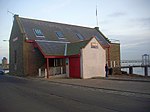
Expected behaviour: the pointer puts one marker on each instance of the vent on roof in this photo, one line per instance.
(80, 36)
(60, 35)
(38, 33)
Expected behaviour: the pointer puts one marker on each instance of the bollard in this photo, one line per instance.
(40, 74)
(130, 70)
(146, 70)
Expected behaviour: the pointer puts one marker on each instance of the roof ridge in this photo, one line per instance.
(80, 41)
(56, 22)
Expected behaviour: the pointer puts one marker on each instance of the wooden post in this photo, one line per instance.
(114, 64)
(130, 70)
(45, 73)
(47, 65)
(146, 70)
(108, 56)
(111, 64)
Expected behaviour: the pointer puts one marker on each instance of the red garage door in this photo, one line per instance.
(74, 67)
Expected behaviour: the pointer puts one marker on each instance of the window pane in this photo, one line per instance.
(38, 32)
(59, 34)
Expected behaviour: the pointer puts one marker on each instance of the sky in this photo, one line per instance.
(125, 20)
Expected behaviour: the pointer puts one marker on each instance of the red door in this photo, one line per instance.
(74, 67)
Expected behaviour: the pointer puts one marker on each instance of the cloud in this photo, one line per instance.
(145, 19)
(128, 27)
(135, 50)
(144, 22)
(117, 14)
(133, 44)
(58, 6)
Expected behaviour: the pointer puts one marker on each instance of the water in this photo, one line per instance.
(136, 70)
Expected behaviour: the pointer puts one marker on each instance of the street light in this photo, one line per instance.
(5, 40)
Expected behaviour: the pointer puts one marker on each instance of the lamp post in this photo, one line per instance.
(6, 40)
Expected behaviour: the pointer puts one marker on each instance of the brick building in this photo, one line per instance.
(42, 47)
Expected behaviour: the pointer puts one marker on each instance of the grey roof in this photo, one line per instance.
(74, 48)
(56, 48)
(49, 30)
(52, 48)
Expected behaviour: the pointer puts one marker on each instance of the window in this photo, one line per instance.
(60, 35)
(80, 36)
(58, 62)
(38, 33)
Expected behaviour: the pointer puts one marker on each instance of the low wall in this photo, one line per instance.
(115, 71)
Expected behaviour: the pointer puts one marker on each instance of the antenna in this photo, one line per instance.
(96, 16)
(10, 12)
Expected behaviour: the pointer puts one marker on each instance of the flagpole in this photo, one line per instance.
(96, 16)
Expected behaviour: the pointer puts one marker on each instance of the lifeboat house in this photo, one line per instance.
(43, 48)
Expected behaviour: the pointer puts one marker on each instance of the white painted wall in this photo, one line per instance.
(93, 61)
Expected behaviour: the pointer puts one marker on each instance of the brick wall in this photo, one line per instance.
(24, 58)
(33, 59)
(114, 57)
(16, 50)
(114, 54)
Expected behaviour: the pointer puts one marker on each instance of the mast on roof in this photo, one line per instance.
(96, 17)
